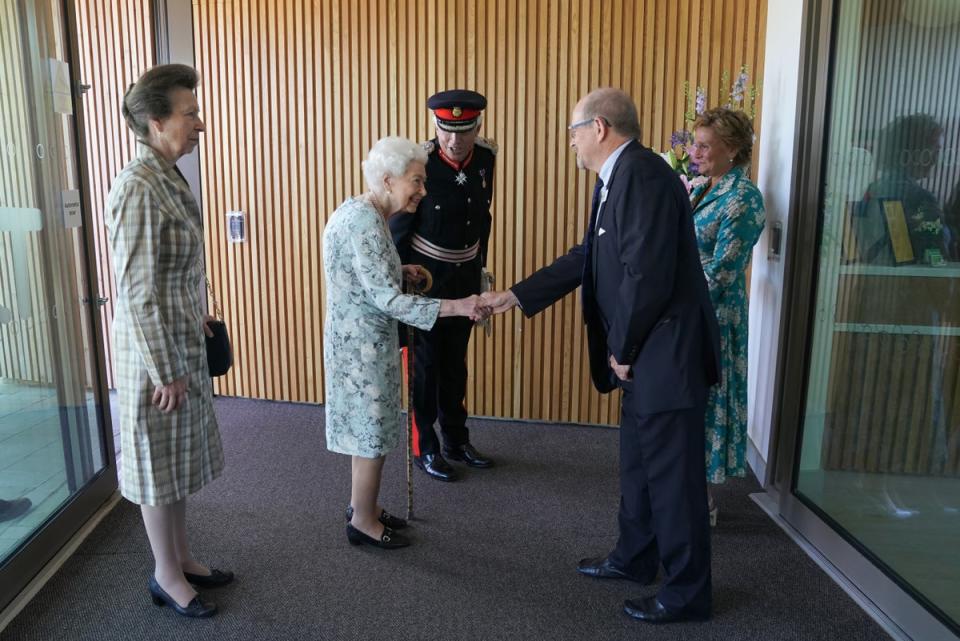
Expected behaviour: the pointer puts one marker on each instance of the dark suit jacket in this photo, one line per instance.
(649, 305)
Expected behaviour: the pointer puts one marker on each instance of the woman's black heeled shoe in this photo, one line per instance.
(215, 579)
(389, 540)
(391, 521)
(196, 609)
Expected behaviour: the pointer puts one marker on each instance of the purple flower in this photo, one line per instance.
(694, 168)
(701, 101)
(678, 137)
(739, 86)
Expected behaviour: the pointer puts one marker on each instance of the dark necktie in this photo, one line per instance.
(587, 280)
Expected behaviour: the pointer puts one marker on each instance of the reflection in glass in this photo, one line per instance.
(881, 435)
(50, 440)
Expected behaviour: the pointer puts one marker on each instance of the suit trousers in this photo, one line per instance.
(663, 514)
(440, 384)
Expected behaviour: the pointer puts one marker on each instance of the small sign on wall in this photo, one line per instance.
(71, 208)
(236, 227)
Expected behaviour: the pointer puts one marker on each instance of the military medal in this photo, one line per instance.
(483, 177)
(461, 178)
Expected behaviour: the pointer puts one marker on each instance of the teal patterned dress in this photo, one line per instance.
(361, 355)
(728, 219)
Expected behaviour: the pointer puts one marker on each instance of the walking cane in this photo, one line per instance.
(416, 289)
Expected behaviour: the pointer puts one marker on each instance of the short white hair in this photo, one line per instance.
(390, 157)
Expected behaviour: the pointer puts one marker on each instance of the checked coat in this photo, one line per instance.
(156, 241)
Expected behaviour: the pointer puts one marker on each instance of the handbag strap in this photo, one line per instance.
(217, 310)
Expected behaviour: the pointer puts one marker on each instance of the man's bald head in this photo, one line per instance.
(615, 107)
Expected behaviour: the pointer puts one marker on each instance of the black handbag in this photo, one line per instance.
(219, 351)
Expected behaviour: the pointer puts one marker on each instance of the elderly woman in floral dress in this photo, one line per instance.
(364, 302)
(728, 214)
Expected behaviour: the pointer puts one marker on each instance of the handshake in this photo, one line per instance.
(479, 308)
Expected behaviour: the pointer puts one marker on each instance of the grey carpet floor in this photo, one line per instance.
(494, 556)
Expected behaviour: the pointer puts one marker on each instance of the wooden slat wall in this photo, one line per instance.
(294, 94)
(116, 46)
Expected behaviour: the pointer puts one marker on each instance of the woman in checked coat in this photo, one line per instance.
(170, 443)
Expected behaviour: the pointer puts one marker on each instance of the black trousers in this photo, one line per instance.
(663, 503)
(440, 383)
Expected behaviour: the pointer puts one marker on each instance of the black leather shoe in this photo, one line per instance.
(436, 467)
(215, 579)
(467, 454)
(602, 567)
(196, 609)
(391, 521)
(389, 540)
(649, 609)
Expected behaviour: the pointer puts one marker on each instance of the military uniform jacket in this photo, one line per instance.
(450, 221)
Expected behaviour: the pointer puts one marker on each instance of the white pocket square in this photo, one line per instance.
(601, 231)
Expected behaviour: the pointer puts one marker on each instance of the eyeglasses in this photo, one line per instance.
(578, 124)
(586, 121)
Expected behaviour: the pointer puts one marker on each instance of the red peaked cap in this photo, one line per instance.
(457, 109)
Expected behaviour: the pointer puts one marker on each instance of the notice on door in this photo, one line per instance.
(60, 86)
(71, 208)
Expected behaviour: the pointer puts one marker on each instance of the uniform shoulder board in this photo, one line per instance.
(488, 143)
(428, 146)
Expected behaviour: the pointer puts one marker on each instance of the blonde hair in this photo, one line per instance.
(733, 128)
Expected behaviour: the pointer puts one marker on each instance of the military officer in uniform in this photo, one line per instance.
(448, 235)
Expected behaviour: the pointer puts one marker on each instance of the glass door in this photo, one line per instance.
(874, 472)
(56, 461)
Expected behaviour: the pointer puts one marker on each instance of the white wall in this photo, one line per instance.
(181, 50)
(776, 156)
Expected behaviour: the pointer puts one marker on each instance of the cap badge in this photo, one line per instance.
(457, 112)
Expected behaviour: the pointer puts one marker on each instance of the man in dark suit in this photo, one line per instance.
(651, 331)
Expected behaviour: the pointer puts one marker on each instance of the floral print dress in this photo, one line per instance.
(360, 348)
(728, 219)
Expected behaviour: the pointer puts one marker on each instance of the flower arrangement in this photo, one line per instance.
(742, 96)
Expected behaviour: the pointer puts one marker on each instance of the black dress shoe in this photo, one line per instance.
(602, 567)
(196, 609)
(215, 579)
(389, 540)
(467, 454)
(391, 521)
(436, 467)
(649, 609)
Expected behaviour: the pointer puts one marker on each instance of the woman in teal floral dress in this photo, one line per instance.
(360, 348)
(729, 216)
